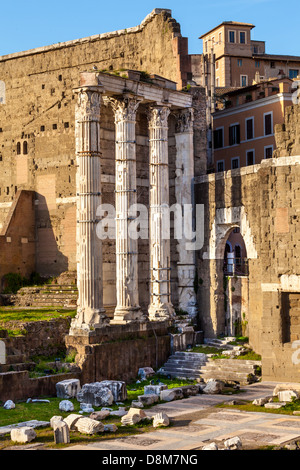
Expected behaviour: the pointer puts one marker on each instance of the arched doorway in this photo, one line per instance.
(235, 285)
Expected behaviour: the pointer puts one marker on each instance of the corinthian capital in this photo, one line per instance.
(158, 116)
(88, 102)
(125, 108)
(184, 120)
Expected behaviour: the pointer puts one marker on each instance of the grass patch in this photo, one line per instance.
(8, 314)
(288, 409)
(205, 349)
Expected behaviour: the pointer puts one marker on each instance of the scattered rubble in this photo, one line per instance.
(211, 446)
(66, 405)
(160, 419)
(234, 443)
(9, 405)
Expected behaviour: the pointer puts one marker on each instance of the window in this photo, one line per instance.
(217, 82)
(272, 64)
(220, 166)
(242, 37)
(235, 163)
(217, 65)
(240, 62)
(268, 125)
(250, 157)
(54, 126)
(293, 73)
(18, 148)
(255, 49)
(249, 128)
(244, 80)
(218, 138)
(25, 149)
(206, 47)
(269, 152)
(66, 125)
(42, 128)
(257, 64)
(234, 134)
(220, 38)
(231, 36)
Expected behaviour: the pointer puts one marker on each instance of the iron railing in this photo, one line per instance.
(238, 267)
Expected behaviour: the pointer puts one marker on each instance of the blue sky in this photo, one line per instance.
(29, 24)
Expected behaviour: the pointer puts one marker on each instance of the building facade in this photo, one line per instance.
(243, 126)
(238, 59)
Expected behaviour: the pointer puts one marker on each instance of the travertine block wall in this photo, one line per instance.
(269, 222)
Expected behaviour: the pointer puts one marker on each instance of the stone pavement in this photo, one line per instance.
(196, 422)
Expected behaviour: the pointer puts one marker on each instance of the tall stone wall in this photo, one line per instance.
(287, 135)
(37, 130)
(263, 201)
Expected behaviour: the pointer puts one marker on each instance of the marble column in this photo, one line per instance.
(90, 311)
(186, 267)
(127, 288)
(160, 307)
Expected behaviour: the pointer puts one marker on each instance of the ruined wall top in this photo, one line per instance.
(157, 11)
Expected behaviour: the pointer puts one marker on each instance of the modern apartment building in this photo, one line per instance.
(237, 58)
(243, 131)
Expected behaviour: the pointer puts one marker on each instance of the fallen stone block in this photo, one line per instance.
(71, 420)
(117, 388)
(147, 400)
(160, 419)
(95, 394)
(211, 446)
(86, 408)
(287, 395)
(213, 387)
(145, 372)
(275, 406)
(110, 428)
(154, 389)
(99, 415)
(171, 394)
(233, 443)
(137, 404)
(89, 426)
(286, 386)
(134, 415)
(9, 405)
(261, 401)
(67, 388)
(66, 405)
(23, 434)
(61, 432)
(190, 390)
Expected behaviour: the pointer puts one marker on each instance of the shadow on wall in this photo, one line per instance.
(17, 239)
(50, 261)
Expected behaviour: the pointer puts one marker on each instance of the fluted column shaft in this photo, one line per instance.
(90, 312)
(160, 307)
(186, 268)
(127, 289)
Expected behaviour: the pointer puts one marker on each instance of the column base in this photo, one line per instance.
(124, 315)
(96, 319)
(161, 312)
